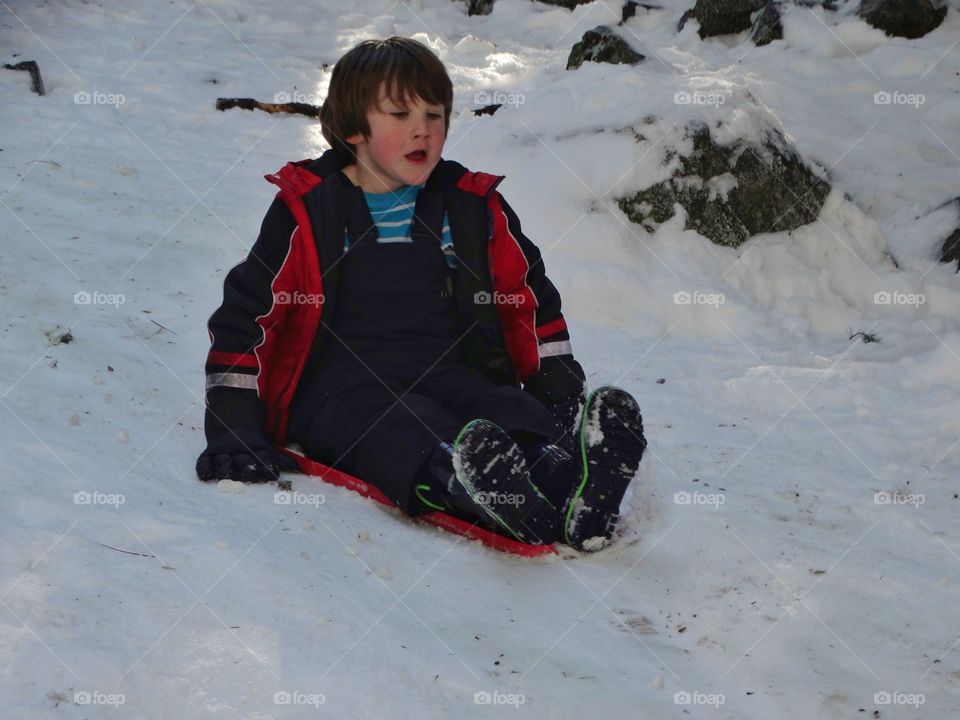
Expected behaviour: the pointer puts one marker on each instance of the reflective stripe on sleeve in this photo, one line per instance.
(237, 380)
(560, 347)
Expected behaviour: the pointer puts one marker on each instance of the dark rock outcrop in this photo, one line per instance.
(602, 45)
(903, 18)
(724, 17)
(950, 251)
(629, 9)
(568, 4)
(763, 189)
(767, 26)
(479, 7)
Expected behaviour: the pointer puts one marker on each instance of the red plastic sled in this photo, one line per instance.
(437, 518)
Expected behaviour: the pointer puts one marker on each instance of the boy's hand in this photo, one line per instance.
(254, 466)
(561, 387)
(239, 449)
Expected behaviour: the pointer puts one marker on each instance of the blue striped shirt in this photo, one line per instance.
(392, 213)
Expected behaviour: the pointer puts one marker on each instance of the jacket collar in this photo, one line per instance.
(428, 214)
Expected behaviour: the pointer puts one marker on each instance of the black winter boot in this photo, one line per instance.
(483, 478)
(610, 447)
(554, 471)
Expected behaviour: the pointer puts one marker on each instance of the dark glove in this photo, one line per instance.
(253, 465)
(560, 385)
(237, 448)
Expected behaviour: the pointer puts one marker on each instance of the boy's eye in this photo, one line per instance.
(434, 116)
(399, 114)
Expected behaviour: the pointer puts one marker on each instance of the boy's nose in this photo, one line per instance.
(420, 127)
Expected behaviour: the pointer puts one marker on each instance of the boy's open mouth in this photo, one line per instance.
(417, 155)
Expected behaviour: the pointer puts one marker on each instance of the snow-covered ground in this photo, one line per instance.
(759, 574)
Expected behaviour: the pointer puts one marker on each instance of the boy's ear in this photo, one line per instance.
(355, 139)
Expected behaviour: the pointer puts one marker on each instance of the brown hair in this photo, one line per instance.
(408, 68)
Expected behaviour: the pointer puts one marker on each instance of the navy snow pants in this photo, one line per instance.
(383, 431)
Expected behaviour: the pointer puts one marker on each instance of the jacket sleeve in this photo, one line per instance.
(235, 414)
(559, 383)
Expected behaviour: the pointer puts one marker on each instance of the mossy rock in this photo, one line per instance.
(602, 45)
(769, 189)
(707, 159)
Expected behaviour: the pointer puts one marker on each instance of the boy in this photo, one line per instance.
(387, 316)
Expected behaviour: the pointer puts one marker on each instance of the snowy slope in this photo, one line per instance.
(782, 589)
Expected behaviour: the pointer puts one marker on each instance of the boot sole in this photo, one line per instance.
(610, 427)
(473, 445)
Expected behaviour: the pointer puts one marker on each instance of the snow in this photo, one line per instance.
(591, 429)
(791, 543)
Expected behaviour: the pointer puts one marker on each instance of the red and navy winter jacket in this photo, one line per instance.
(266, 331)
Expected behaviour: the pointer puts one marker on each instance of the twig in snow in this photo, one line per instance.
(293, 108)
(161, 326)
(128, 552)
(31, 67)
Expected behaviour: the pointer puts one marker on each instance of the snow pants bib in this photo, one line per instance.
(391, 384)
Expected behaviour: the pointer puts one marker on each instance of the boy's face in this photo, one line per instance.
(406, 138)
